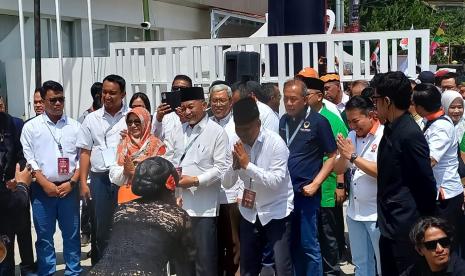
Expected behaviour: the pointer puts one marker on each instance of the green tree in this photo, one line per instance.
(393, 15)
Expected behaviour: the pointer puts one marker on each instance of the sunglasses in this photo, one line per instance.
(57, 99)
(431, 245)
(135, 122)
(177, 88)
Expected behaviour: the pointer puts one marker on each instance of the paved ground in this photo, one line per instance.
(347, 269)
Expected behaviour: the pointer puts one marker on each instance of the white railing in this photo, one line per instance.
(150, 66)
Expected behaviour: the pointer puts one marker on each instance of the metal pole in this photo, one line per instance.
(23, 58)
(145, 7)
(338, 15)
(37, 43)
(91, 39)
(342, 16)
(60, 53)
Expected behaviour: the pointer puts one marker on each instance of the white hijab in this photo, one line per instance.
(447, 98)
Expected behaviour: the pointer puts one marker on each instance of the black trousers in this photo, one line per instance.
(226, 265)
(205, 235)
(16, 223)
(86, 217)
(451, 210)
(341, 239)
(396, 256)
(278, 234)
(328, 233)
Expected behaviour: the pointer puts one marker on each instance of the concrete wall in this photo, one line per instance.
(77, 83)
(171, 20)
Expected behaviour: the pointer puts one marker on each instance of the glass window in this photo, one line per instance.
(117, 34)
(68, 39)
(100, 34)
(135, 34)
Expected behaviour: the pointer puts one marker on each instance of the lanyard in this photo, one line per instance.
(58, 142)
(289, 141)
(254, 161)
(189, 146)
(108, 129)
(372, 139)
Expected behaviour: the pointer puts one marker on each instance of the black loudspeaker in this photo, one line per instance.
(242, 66)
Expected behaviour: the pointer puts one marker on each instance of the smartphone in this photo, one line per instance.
(171, 98)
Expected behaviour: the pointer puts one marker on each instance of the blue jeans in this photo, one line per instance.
(306, 247)
(46, 212)
(277, 234)
(105, 200)
(364, 246)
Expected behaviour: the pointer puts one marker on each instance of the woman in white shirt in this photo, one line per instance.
(138, 145)
(452, 102)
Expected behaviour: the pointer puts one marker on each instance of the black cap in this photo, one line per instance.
(191, 93)
(245, 111)
(426, 77)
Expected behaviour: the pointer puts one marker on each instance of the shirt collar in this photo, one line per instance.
(122, 111)
(391, 125)
(223, 121)
(200, 125)
(302, 114)
(63, 118)
(435, 115)
(375, 127)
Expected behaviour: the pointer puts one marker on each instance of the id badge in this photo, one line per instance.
(63, 166)
(248, 199)
(109, 156)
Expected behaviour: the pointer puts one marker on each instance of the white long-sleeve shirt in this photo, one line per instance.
(268, 117)
(207, 158)
(228, 195)
(39, 140)
(266, 174)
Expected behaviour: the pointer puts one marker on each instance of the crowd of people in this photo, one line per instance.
(222, 184)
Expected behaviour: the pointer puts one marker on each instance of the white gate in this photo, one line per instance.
(151, 66)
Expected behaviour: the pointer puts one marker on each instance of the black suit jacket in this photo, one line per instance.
(406, 184)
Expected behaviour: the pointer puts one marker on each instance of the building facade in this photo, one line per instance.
(112, 21)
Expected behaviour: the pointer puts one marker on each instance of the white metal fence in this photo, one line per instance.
(150, 66)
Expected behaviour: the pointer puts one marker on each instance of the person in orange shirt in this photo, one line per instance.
(138, 145)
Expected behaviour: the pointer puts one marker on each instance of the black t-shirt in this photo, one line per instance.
(456, 267)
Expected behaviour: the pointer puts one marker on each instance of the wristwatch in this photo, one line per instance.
(353, 156)
(340, 185)
(73, 183)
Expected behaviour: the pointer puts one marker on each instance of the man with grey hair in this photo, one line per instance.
(228, 219)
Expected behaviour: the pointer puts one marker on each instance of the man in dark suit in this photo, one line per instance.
(406, 185)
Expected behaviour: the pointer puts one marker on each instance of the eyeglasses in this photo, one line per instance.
(57, 99)
(219, 102)
(136, 122)
(431, 245)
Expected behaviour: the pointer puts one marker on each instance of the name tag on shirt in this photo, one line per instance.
(109, 156)
(248, 199)
(63, 166)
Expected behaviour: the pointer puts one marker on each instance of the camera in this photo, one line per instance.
(145, 25)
